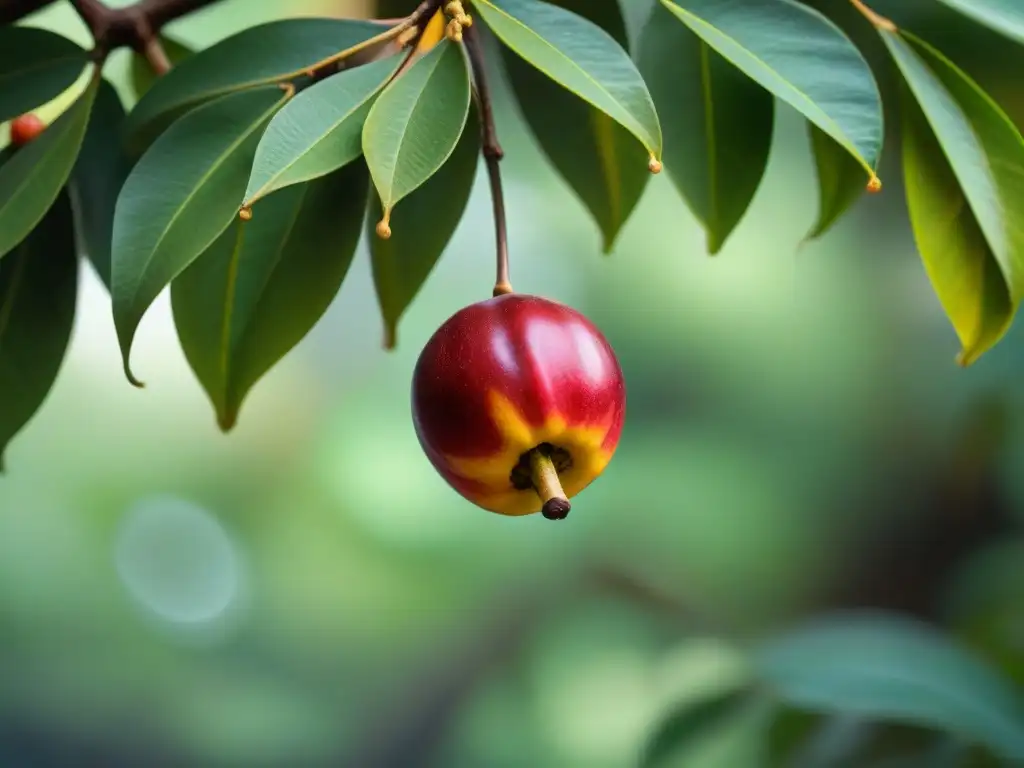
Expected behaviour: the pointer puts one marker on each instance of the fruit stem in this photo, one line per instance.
(548, 486)
(493, 153)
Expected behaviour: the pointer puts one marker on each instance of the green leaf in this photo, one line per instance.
(962, 268)
(984, 169)
(35, 67)
(180, 197)
(1004, 16)
(802, 58)
(263, 284)
(717, 121)
(423, 226)
(599, 159)
(691, 723)
(38, 291)
(31, 180)
(840, 181)
(885, 667)
(267, 53)
(318, 131)
(97, 178)
(416, 122)
(581, 57)
(142, 74)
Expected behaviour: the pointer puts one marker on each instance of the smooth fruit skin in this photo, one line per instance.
(25, 128)
(505, 375)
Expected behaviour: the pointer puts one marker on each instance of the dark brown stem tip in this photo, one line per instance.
(556, 509)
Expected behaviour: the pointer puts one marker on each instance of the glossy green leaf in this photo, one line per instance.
(38, 291)
(416, 122)
(97, 178)
(580, 56)
(318, 131)
(599, 159)
(802, 58)
(179, 198)
(421, 230)
(889, 668)
(1004, 16)
(142, 74)
(983, 176)
(31, 180)
(255, 56)
(35, 67)
(984, 148)
(717, 123)
(263, 284)
(840, 180)
(962, 268)
(692, 722)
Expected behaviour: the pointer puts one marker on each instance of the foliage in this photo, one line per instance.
(230, 128)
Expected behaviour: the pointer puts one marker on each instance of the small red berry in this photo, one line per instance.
(26, 128)
(518, 402)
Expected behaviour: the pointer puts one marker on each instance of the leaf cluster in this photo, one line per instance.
(245, 177)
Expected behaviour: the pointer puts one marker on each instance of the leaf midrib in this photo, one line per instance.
(559, 51)
(191, 196)
(847, 144)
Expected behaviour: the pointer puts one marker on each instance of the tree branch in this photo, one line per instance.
(493, 154)
(15, 10)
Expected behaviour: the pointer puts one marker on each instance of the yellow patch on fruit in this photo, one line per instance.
(584, 443)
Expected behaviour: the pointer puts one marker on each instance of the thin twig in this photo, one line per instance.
(879, 21)
(493, 154)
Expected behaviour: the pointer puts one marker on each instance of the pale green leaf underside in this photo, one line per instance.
(180, 196)
(960, 265)
(580, 56)
(802, 58)
(416, 121)
(318, 131)
(1004, 16)
(600, 160)
(263, 284)
(983, 147)
(31, 180)
(255, 56)
(35, 66)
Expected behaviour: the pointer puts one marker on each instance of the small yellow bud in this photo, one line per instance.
(874, 185)
(654, 165)
(245, 213)
(383, 228)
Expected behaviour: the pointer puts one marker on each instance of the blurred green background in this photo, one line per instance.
(307, 591)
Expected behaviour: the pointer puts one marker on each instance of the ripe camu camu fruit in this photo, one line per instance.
(25, 128)
(518, 402)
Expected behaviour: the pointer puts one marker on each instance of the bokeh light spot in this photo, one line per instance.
(178, 561)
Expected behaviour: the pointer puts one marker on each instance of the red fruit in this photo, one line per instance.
(26, 128)
(510, 391)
